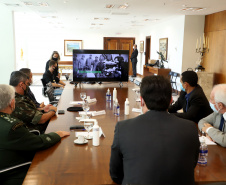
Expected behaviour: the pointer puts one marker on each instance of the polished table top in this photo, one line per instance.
(68, 163)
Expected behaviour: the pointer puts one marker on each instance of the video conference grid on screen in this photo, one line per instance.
(107, 67)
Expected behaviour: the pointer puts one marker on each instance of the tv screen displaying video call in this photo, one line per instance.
(100, 65)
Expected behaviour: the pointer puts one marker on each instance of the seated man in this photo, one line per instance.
(192, 99)
(214, 124)
(49, 77)
(17, 144)
(155, 147)
(34, 118)
(29, 93)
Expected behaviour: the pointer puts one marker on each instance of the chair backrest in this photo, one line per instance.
(173, 76)
(16, 166)
(44, 88)
(50, 94)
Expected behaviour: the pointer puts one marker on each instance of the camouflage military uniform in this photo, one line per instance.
(26, 110)
(18, 145)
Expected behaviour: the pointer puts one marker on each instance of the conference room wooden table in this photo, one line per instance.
(69, 163)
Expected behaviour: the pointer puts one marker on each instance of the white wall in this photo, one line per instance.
(39, 39)
(194, 28)
(172, 29)
(7, 57)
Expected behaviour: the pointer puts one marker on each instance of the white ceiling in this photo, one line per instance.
(80, 14)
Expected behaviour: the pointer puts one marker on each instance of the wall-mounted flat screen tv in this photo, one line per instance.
(100, 65)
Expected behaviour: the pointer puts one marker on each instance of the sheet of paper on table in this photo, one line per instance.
(208, 142)
(136, 110)
(76, 102)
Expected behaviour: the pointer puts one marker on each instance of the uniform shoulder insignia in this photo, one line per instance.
(17, 125)
(14, 121)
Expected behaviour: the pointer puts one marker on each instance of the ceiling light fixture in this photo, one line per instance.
(193, 9)
(124, 6)
(43, 4)
(28, 3)
(12, 5)
(109, 6)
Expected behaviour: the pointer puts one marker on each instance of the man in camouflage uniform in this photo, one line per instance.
(30, 94)
(17, 144)
(34, 118)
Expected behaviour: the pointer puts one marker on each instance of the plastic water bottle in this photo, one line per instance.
(116, 108)
(96, 137)
(114, 94)
(126, 107)
(203, 152)
(108, 96)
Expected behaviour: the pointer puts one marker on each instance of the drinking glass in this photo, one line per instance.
(88, 127)
(83, 96)
(85, 107)
(138, 95)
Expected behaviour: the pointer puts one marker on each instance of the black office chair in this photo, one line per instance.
(173, 81)
(43, 88)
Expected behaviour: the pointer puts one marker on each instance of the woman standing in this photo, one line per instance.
(55, 56)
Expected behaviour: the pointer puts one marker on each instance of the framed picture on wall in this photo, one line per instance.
(142, 46)
(69, 45)
(163, 47)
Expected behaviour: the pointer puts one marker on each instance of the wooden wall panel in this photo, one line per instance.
(215, 60)
(215, 22)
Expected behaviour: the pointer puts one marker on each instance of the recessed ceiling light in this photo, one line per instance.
(12, 5)
(96, 18)
(93, 24)
(124, 6)
(194, 9)
(109, 6)
(43, 4)
(28, 3)
(106, 19)
(101, 24)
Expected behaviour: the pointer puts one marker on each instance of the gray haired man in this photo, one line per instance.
(17, 144)
(214, 124)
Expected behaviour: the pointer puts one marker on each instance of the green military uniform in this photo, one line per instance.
(26, 110)
(18, 145)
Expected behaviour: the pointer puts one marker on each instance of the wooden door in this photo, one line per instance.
(120, 43)
(148, 49)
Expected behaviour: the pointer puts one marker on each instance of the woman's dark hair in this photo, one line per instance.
(156, 92)
(55, 52)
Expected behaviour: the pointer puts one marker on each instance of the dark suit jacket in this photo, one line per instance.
(55, 72)
(134, 56)
(198, 105)
(155, 148)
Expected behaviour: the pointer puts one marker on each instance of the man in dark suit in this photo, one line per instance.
(192, 99)
(155, 147)
(134, 60)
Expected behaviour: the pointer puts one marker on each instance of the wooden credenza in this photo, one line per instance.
(148, 70)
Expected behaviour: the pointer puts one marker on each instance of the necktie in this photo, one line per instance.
(186, 97)
(221, 124)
